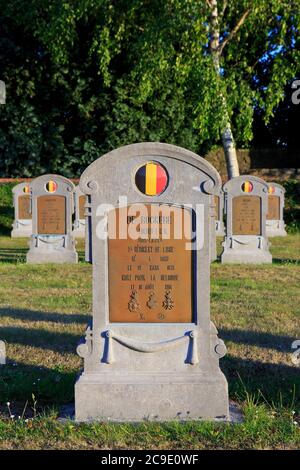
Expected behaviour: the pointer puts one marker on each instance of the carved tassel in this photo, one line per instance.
(194, 356)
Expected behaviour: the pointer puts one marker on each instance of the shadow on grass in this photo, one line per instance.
(261, 339)
(6, 219)
(271, 383)
(13, 255)
(18, 255)
(40, 338)
(18, 381)
(286, 261)
(37, 315)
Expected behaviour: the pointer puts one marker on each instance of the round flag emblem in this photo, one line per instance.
(26, 189)
(151, 179)
(51, 186)
(247, 187)
(271, 190)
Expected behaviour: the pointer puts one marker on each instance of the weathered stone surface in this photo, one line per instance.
(275, 226)
(246, 211)
(52, 240)
(219, 203)
(2, 353)
(22, 226)
(79, 221)
(213, 233)
(144, 370)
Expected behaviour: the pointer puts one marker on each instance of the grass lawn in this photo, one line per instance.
(43, 313)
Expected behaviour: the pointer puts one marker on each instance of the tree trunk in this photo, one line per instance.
(226, 131)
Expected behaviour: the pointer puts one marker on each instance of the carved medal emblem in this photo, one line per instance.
(152, 302)
(168, 303)
(133, 303)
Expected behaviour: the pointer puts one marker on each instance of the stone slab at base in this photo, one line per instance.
(220, 229)
(275, 228)
(21, 233)
(248, 257)
(79, 232)
(35, 257)
(151, 398)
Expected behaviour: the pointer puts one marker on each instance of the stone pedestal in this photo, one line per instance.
(79, 221)
(275, 226)
(51, 249)
(246, 210)
(151, 352)
(21, 229)
(22, 226)
(52, 208)
(2, 353)
(246, 249)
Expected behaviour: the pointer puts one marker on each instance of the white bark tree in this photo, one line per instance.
(216, 49)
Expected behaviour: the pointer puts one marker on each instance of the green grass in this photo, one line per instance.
(44, 311)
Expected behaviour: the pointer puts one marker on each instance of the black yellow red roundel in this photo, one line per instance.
(151, 179)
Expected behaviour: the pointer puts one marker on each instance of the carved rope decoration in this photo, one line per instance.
(58, 240)
(139, 346)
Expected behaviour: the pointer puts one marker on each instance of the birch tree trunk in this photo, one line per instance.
(226, 131)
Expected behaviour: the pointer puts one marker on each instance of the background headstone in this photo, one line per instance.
(2, 353)
(246, 199)
(22, 226)
(79, 221)
(151, 352)
(52, 208)
(213, 234)
(275, 223)
(219, 210)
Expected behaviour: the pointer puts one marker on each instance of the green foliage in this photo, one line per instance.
(84, 76)
(6, 209)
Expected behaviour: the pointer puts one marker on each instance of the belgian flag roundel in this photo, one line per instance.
(271, 190)
(26, 189)
(51, 186)
(247, 187)
(151, 179)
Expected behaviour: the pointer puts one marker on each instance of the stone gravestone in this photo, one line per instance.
(213, 234)
(219, 210)
(275, 222)
(79, 221)
(52, 208)
(22, 226)
(2, 353)
(151, 352)
(246, 199)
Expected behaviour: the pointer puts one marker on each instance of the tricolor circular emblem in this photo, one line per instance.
(51, 186)
(247, 187)
(151, 179)
(271, 190)
(26, 189)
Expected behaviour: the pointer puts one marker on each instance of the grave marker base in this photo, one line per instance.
(51, 249)
(275, 228)
(246, 249)
(220, 229)
(21, 229)
(142, 397)
(79, 229)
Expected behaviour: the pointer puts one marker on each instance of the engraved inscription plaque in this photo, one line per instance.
(149, 265)
(246, 215)
(273, 208)
(24, 207)
(217, 201)
(51, 215)
(81, 207)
